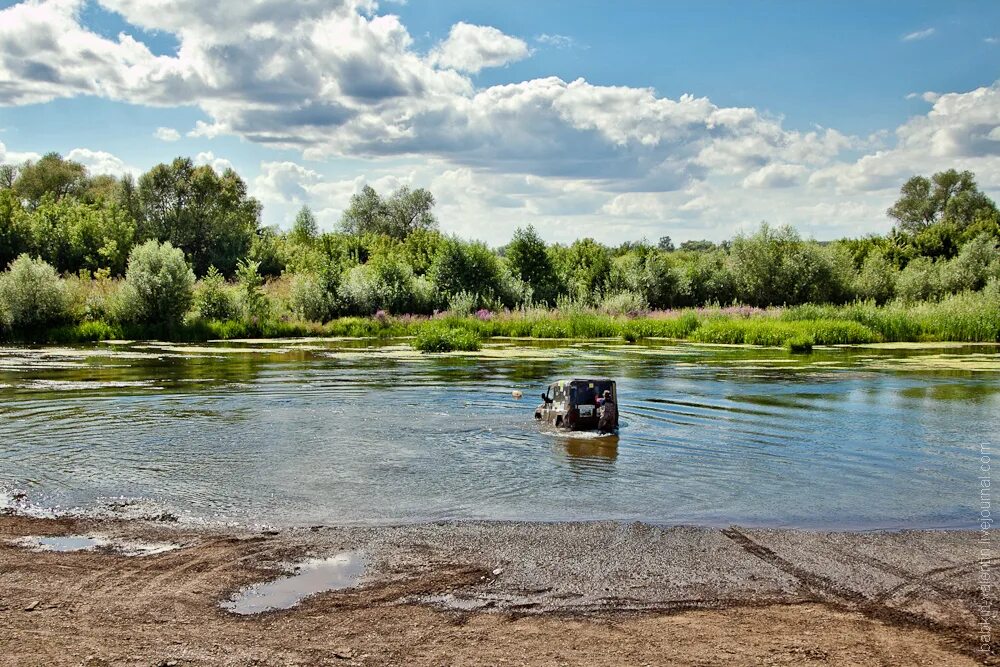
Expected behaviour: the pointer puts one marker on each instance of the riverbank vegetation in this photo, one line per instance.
(179, 253)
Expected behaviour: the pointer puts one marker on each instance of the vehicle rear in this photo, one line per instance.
(582, 412)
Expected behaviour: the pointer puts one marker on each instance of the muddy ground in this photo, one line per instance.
(498, 594)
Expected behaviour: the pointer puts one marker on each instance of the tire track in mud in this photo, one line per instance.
(828, 591)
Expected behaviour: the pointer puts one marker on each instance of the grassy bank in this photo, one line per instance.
(972, 317)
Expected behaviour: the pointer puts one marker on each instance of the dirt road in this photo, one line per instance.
(497, 594)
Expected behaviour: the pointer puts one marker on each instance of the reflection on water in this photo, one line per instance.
(309, 578)
(336, 432)
(597, 450)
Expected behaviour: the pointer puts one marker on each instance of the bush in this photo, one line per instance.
(971, 269)
(775, 267)
(434, 337)
(159, 286)
(212, 297)
(877, 279)
(91, 298)
(253, 301)
(32, 295)
(462, 303)
(310, 298)
(621, 303)
(388, 284)
(474, 269)
(920, 280)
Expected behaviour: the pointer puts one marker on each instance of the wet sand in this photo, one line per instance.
(496, 593)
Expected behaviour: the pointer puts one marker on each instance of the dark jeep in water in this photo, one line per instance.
(573, 404)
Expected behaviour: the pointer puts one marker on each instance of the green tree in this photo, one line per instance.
(256, 306)
(402, 213)
(14, 232)
(584, 267)
(529, 260)
(877, 278)
(51, 175)
(207, 215)
(976, 262)
(698, 246)
(73, 235)
(775, 267)
(159, 286)
(212, 298)
(665, 244)
(473, 269)
(8, 175)
(947, 196)
(305, 229)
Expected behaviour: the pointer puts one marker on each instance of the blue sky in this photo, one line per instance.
(806, 113)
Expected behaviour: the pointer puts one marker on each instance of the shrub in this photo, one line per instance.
(474, 269)
(254, 302)
(385, 283)
(462, 303)
(621, 303)
(310, 298)
(31, 295)
(212, 297)
(775, 266)
(158, 288)
(972, 267)
(435, 337)
(91, 298)
(877, 279)
(919, 281)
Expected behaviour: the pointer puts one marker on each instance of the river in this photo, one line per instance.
(304, 432)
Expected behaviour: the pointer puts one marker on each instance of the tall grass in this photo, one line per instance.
(972, 317)
(780, 332)
(966, 317)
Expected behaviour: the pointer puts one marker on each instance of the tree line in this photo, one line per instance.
(183, 240)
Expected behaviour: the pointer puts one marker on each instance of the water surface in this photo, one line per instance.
(346, 432)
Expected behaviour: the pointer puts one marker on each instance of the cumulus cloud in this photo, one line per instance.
(776, 176)
(219, 164)
(918, 35)
(101, 162)
(471, 48)
(167, 134)
(15, 157)
(331, 78)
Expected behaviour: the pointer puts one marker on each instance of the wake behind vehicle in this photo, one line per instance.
(574, 404)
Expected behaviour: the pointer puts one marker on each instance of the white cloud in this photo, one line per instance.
(15, 157)
(471, 48)
(918, 35)
(219, 164)
(101, 162)
(335, 78)
(167, 134)
(556, 41)
(776, 176)
(992, 40)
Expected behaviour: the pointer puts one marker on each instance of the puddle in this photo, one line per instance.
(67, 543)
(62, 543)
(308, 578)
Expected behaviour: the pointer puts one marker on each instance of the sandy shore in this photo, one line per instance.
(497, 593)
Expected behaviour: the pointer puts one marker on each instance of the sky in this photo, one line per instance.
(615, 120)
